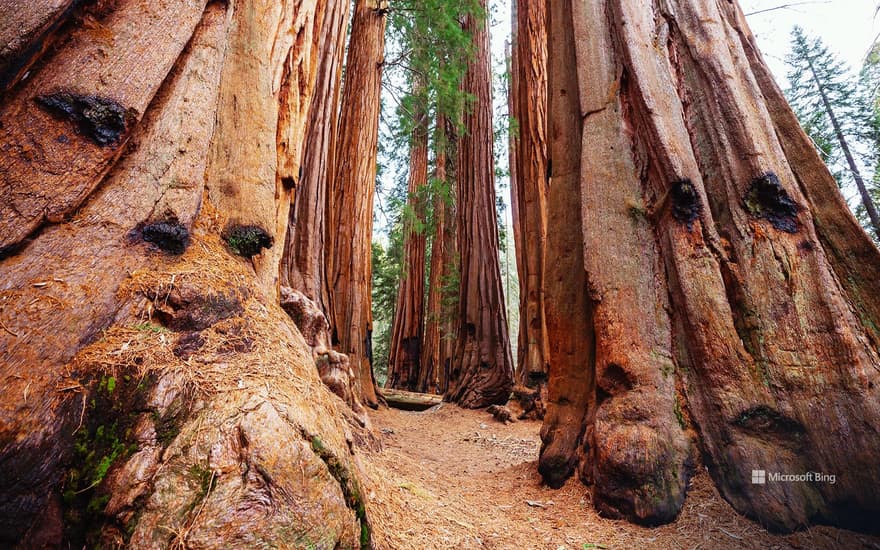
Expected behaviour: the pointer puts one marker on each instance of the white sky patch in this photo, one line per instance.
(847, 27)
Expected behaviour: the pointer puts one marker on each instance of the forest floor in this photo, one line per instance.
(454, 478)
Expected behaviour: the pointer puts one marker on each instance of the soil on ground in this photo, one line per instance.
(455, 478)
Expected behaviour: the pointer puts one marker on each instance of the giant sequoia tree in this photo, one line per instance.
(154, 394)
(352, 193)
(732, 296)
(481, 372)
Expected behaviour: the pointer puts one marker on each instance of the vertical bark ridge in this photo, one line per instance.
(793, 318)
(761, 330)
(304, 262)
(571, 384)
(432, 355)
(639, 451)
(270, 46)
(850, 251)
(37, 420)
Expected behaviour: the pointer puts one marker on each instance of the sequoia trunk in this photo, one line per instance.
(482, 370)
(139, 339)
(352, 192)
(530, 111)
(432, 351)
(728, 281)
(405, 355)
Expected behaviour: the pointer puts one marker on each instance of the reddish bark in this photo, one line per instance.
(26, 31)
(303, 266)
(530, 174)
(432, 352)
(718, 290)
(101, 84)
(352, 193)
(481, 373)
(136, 351)
(404, 358)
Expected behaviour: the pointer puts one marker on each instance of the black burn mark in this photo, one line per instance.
(768, 200)
(169, 235)
(686, 205)
(101, 119)
(247, 240)
(768, 423)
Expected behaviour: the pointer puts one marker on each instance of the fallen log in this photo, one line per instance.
(410, 401)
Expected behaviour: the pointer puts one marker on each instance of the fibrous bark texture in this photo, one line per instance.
(530, 191)
(247, 181)
(481, 373)
(304, 266)
(405, 354)
(726, 276)
(25, 32)
(352, 193)
(154, 393)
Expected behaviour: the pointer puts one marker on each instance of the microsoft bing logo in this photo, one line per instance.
(761, 477)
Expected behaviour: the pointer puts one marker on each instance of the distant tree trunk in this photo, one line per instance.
(512, 160)
(449, 274)
(405, 354)
(303, 267)
(432, 356)
(154, 393)
(867, 201)
(352, 192)
(733, 296)
(482, 370)
(530, 110)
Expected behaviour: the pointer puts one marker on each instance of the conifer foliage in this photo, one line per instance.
(836, 112)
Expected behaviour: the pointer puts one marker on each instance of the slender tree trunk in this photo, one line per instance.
(353, 189)
(867, 201)
(431, 361)
(530, 108)
(482, 370)
(451, 268)
(512, 157)
(404, 358)
(303, 267)
(148, 420)
(696, 185)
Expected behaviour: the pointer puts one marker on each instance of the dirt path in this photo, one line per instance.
(454, 478)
